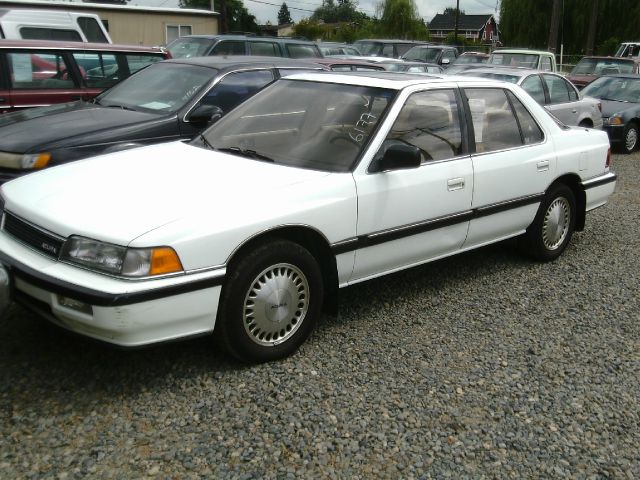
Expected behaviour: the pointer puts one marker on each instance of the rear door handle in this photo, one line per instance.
(543, 165)
(2, 99)
(455, 184)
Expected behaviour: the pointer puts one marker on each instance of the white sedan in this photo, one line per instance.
(319, 182)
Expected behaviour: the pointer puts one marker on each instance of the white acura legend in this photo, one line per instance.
(318, 182)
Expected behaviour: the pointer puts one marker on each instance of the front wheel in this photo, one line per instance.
(551, 230)
(630, 138)
(271, 302)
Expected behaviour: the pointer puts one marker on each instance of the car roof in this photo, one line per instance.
(515, 71)
(344, 61)
(61, 45)
(609, 57)
(249, 37)
(236, 61)
(631, 76)
(388, 80)
(522, 50)
(386, 40)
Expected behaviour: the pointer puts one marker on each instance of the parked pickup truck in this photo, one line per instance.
(536, 59)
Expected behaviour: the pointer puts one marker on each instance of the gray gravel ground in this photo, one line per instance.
(480, 366)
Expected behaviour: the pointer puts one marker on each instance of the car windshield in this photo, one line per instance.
(602, 66)
(161, 88)
(514, 59)
(321, 126)
(614, 88)
(369, 48)
(187, 47)
(422, 54)
(465, 59)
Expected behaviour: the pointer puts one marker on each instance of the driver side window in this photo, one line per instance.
(430, 121)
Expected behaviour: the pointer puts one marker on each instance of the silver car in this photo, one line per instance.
(557, 94)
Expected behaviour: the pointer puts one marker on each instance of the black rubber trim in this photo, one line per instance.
(97, 297)
(599, 183)
(383, 236)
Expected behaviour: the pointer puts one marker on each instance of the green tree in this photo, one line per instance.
(283, 15)
(400, 19)
(340, 11)
(234, 15)
(452, 11)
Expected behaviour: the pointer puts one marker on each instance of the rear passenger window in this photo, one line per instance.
(229, 48)
(40, 70)
(264, 49)
(558, 92)
(387, 50)
(301, 51)
(36, 33)
(533, 86)
(137, 61)
(429, 121)
(531, 132)
(494, 124)
(98, 70)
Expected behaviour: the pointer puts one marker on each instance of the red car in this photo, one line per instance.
(38, 73)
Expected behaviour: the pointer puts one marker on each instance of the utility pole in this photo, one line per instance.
(555, 24)
(455, 31)
(591, 37)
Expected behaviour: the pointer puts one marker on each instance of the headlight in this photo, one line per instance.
(29, 161)
(615, 120)
(117, 260)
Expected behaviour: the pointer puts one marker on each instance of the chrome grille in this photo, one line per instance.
(42, 241)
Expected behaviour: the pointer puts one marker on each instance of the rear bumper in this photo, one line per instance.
(599, 189)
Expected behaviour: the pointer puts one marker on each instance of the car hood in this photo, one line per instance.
(581, 79)
(121, 196)
(30, 130)
(609, 107)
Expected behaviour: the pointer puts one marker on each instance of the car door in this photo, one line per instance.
(561, 103)
(513, 165)
(406, 217)
(41, 77)
(227, 92)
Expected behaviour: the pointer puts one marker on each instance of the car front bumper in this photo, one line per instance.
(615, 132)
(116, 311)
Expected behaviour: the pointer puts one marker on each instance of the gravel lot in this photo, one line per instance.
(480, 366)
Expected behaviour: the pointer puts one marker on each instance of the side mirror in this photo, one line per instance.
(205, 114)
(399, 156)
(445, 61)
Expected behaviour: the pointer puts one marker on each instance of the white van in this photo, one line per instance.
(19, 24)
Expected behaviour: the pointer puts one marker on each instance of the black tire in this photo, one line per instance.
(630, 139)
(551, 230)
(286, 316)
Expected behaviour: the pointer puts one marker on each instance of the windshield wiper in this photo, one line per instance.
(205, 142)
(123, 107)
(245, 153)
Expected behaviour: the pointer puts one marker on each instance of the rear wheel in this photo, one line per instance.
(551, 230)
(271, 302)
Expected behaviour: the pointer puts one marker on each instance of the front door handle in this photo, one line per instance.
(455, 184)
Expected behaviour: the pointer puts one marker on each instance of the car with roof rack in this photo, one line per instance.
(249, 230)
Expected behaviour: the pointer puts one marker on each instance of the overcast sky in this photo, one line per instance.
(267, 10)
